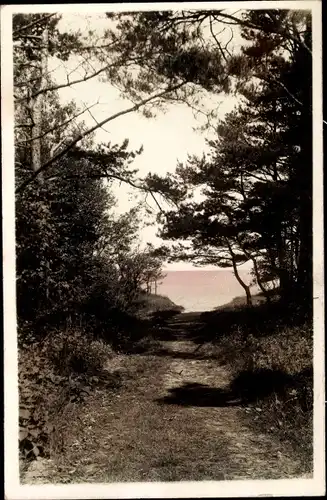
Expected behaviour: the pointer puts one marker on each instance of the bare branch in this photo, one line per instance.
(96, 121)
(216, 40)
(56, 127)
(156, 201)
(68, 84)
(281, 84)
(23, 185)
(231, 38)
(74, 82)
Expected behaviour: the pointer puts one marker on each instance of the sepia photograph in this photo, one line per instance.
(163, 249)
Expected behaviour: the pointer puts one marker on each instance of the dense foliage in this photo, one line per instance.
(256, 181)
(79, 268)
(70, 244)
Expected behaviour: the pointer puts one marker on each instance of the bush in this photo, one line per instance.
(290, 350)
(59, 371)
(39, 395)
(275, 373)
(74, 353)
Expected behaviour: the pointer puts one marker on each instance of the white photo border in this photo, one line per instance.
(206, 489)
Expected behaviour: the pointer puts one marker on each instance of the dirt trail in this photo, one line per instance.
(135, 435)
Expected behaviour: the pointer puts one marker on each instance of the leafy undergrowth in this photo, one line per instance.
(274, 373)
(55, 376)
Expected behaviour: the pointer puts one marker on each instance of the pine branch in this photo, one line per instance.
(248, 24)
(26, 141)
(33, 23)
(47, 164)
(68, 84)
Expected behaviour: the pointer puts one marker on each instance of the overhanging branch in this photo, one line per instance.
(47, 164)
(69, 120)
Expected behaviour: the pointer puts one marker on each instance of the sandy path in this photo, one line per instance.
(131, 436)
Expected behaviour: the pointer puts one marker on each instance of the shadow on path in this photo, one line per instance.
(246, 388)
(194, 394)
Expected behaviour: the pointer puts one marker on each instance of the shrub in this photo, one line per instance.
(74, 353)
(275, 372)
(39, 390)
(61, 370)
(146, 305)
(290, 350)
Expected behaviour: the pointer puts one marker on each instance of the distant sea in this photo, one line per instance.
(202, 290)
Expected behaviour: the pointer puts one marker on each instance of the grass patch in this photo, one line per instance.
(273, 372)
(260, 320)
(148, 304)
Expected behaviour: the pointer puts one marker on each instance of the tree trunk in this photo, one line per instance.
(238, 277)
(244, 285)
(256, 270)
(284, 278)
(248, 254)
(36, 107)
(260, 284)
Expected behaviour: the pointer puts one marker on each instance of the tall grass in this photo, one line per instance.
(278, 367)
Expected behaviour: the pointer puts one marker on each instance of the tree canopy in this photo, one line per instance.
(255, 180)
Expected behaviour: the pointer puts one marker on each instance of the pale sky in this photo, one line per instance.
(166, 139)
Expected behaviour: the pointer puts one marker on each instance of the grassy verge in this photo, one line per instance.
(55, 376)
(271, 361)
(148, 305)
